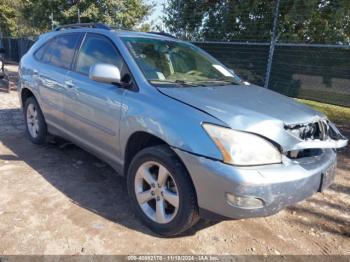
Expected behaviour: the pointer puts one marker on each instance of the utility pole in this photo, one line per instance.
(78, 15)
(51, 16)
(272, 44)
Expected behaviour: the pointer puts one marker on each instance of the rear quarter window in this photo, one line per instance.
(59, 51)
(40, 52)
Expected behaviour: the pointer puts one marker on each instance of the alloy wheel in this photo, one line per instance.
(156, 192)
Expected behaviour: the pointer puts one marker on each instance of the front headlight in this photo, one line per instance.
(242, 148)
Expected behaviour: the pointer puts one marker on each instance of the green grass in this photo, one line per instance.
(334, 113)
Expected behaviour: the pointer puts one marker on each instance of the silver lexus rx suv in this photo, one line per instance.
(192, 139)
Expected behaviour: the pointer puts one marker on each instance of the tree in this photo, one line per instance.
(312, 21)
(7, 17)
(121, 13)
(184, 18)
(31, 17)
(219, 19)
(315, 21)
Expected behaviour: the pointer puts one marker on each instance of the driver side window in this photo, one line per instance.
(97, 49)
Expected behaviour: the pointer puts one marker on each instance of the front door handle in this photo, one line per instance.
(69, 83)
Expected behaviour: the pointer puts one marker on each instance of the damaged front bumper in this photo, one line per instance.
(235, 192)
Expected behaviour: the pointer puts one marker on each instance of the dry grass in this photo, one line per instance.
(335, 113)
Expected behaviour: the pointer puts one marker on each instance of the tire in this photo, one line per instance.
(177, 219)
(36, 128)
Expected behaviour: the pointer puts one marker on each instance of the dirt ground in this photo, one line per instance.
(59, 199)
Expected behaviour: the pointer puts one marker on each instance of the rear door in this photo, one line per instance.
(55, 60)
(94, 108)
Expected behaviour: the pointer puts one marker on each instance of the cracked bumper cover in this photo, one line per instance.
(278, 185)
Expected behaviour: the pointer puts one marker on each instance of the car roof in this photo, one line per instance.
(118, 33)
(125, 33)
(103, 29)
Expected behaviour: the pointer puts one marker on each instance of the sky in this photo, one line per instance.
(155, 17)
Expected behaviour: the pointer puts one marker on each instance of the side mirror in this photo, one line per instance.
(105, 73)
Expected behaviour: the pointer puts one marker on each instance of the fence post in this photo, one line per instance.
(10, 48)
(272, 45)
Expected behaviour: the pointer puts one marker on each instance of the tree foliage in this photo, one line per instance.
(310, 21)
(315, 21)
(7, 17)
(25, 17)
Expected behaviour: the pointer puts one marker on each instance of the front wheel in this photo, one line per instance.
(162, 192)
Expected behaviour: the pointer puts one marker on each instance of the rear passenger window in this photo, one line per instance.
(97, 49)
(59, 51)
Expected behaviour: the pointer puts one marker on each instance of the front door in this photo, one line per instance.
(93, 109)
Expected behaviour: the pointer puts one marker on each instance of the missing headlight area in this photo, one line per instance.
(320, 130)
(317, 130)
(315, 137)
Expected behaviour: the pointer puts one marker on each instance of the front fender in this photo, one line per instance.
(178, 124)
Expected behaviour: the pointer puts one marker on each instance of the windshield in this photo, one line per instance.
(165, 62)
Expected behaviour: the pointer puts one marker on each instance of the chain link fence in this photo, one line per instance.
(275, 53)
(15, 48)
(320, 73)
(298, 48)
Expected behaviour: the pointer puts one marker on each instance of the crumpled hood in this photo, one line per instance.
(249, 108)
(229, 103)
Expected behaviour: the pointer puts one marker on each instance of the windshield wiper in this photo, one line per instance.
(176, 82)
(226, 81)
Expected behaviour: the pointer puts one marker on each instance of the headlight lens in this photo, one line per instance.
(242, 148)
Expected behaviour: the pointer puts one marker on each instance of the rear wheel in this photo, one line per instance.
(161, 191)
(34, 121)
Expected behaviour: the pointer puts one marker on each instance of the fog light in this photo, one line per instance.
(247, 202)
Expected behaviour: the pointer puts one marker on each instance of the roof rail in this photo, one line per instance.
(82, 25)
(121, 28)
(161, 33)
